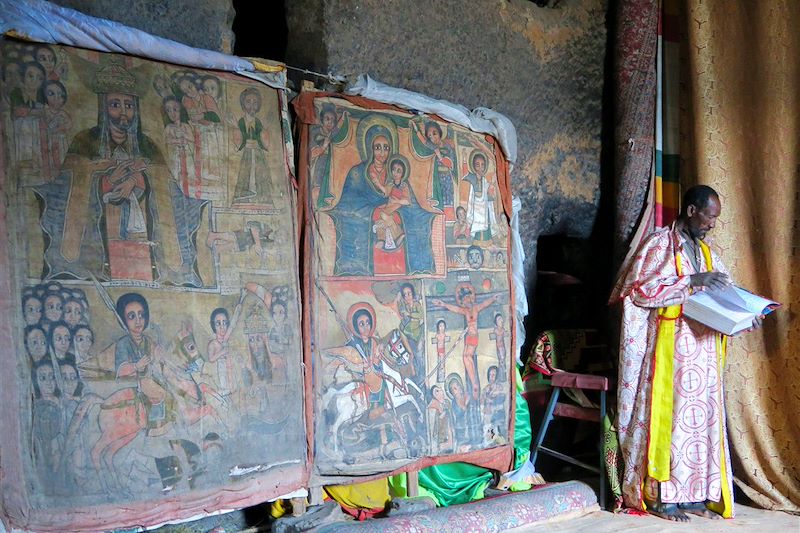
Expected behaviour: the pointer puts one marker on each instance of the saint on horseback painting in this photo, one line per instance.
(155, 306)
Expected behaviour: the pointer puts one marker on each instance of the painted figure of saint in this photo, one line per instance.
(133, 357)
(482, 199)
(228, 370)
(253, 183)
(440, 421)
(469, 309)
(27, 108)
(493, 401)
(179, 140)
(47, 428)
(466, 414)
(388, 226)
(113, 211)
(365, 189)
(58, 123)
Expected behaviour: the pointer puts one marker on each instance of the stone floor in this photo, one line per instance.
(747, 519)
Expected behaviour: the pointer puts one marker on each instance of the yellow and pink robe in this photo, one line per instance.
(671, 412)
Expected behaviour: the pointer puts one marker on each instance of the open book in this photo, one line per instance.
(729, 310)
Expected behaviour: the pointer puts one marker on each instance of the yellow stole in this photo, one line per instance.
(660, 441)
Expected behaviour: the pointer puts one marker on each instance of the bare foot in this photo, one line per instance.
(699, 509)
(667, 511)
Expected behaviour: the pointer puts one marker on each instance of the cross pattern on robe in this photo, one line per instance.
(688, 344)
(689, 379)
(697, 452)
(692, 414)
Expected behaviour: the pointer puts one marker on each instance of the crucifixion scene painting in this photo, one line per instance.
(411, 299)
(154, 274)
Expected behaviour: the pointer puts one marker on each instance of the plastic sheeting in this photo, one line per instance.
(481, 119)
(38, 20)
(518, 278)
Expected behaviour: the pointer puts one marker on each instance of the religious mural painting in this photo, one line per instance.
(409, 292)
(153, 262)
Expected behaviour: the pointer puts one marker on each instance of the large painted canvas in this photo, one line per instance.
(409, 297)
(152, 339)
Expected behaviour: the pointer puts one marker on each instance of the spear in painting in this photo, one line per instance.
(443, 359)
(342, 324)
(106, 298)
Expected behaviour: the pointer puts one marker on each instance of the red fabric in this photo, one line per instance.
(579, 381)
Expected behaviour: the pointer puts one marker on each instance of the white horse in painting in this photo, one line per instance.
(349, 400)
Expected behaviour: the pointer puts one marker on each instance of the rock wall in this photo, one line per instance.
(199, 23)
(542, 67)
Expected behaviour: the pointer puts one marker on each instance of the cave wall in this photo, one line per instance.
(199, 23)
(542, 67)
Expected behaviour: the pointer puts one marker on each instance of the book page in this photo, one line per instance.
(714, 301)
(755, 303)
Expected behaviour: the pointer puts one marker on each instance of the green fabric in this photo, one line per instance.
(611, 453)
(456, 483)
(522, 426)
(522, 434)
(398, 489)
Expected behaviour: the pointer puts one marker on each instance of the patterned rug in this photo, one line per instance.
(491, 514)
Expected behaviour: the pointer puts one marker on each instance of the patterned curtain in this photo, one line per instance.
(635, 80)
(742, 122)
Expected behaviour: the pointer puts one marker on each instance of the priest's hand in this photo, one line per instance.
(712, 280)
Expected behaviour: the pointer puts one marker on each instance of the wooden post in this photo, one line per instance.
(298, 506)
(315, 496)
(412, 482)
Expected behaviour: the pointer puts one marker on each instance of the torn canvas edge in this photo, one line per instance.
(39, 20)
(480, 119)
(518, 278)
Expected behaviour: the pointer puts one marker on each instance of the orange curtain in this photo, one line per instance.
(740, 128)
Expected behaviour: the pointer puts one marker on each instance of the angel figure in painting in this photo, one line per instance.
(332, 129)
(250, 138)
(432, 143)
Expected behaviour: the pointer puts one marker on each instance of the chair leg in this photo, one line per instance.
(548, 416)
(603, 478)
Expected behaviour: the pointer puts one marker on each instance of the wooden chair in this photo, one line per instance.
(557, 363)
(568, 380)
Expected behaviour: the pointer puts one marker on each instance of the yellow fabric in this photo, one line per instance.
(740, 132)
(262, 66)
(659, 447)
(366, 495)
(278, 508)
